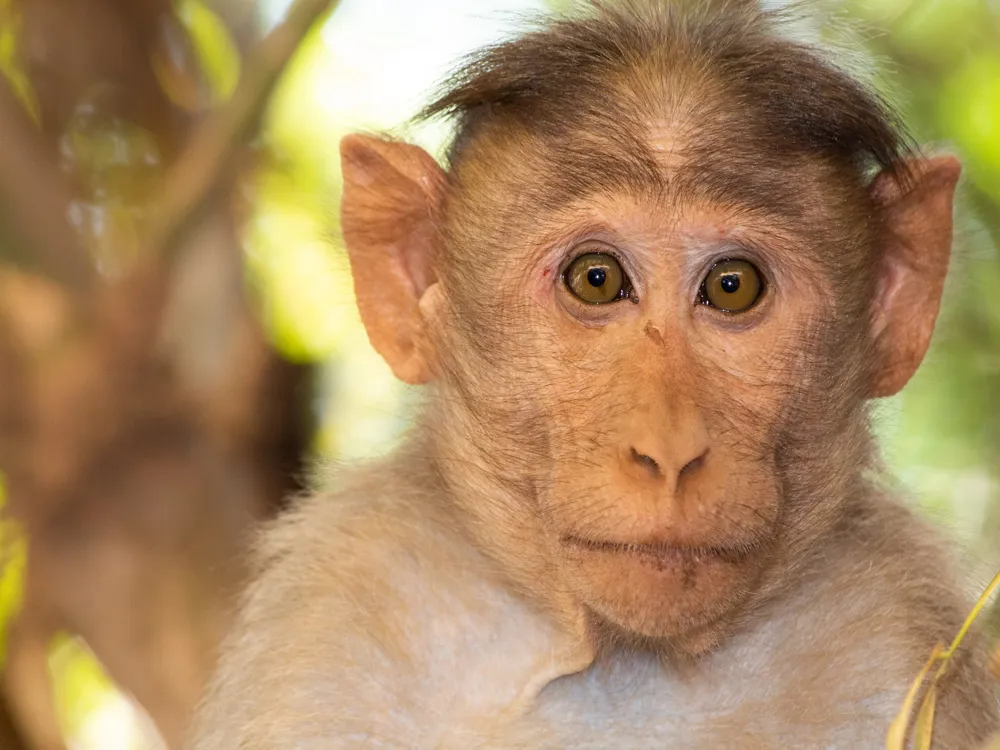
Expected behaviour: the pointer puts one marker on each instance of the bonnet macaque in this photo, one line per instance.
(672, 258)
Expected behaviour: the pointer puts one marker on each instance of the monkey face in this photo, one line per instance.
(649, 370)
(655, 361)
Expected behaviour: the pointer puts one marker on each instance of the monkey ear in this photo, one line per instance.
(392, 195)
(916, 245)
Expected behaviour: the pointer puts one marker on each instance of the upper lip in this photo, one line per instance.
(687, 552)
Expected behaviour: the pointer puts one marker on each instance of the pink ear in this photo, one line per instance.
(916, 246)
(391, 200)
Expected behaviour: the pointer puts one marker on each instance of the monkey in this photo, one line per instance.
(671, 258)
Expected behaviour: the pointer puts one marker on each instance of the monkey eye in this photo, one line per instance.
(596, 278)
(733, 286)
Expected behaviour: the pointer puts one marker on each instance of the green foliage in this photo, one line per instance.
(81, 686)
(969, 109)
(305, 288)
(303, 283)
(217, 55)
(944, 56)
(10, 67)
(937, 31)
(13, 555)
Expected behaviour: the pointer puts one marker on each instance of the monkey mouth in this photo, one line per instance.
(662, 555)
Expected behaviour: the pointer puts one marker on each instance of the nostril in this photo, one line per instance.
(646, 462)
(693, 465)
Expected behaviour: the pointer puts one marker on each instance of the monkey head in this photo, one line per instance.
(653, 292)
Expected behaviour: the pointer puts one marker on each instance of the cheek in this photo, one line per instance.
(580, 378)
(749, 375)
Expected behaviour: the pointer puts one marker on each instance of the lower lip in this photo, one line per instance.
(671, 558)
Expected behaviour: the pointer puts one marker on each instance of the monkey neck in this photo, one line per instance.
(489, 571)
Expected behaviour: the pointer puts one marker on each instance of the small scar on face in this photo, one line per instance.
(654, 333)
(546, 272)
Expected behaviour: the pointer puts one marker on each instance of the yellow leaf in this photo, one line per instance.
(896, 739)
(923, 730)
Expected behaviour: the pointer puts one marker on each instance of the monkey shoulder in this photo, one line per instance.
(896, 572)
(369, 603)
(912, 590)
(865, 616)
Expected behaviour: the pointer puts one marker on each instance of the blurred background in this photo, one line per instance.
(178, 339)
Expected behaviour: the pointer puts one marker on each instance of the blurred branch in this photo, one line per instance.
(35, 200)
(10, 738)
(200, 167)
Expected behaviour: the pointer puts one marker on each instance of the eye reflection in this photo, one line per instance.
(732, 286)
(596, 278)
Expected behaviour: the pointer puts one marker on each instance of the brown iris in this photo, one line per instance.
(732, 286)
(596, 278)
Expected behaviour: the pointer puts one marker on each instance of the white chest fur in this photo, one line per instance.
(498, 675)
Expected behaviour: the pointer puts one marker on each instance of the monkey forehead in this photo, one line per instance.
(523, 181)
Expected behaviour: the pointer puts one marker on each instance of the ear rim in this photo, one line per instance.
(412, 184)
(416, 164)
(926, 179)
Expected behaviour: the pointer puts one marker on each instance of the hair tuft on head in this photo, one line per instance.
(564, 68)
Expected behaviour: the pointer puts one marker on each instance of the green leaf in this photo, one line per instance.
(13, 556)
(10, 27)
(217, 55)
(969, 109)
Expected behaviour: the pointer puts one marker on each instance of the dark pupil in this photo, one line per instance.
(597, 276)
(730, 283)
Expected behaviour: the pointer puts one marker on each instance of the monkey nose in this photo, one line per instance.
(646, 462)
(664, 464)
